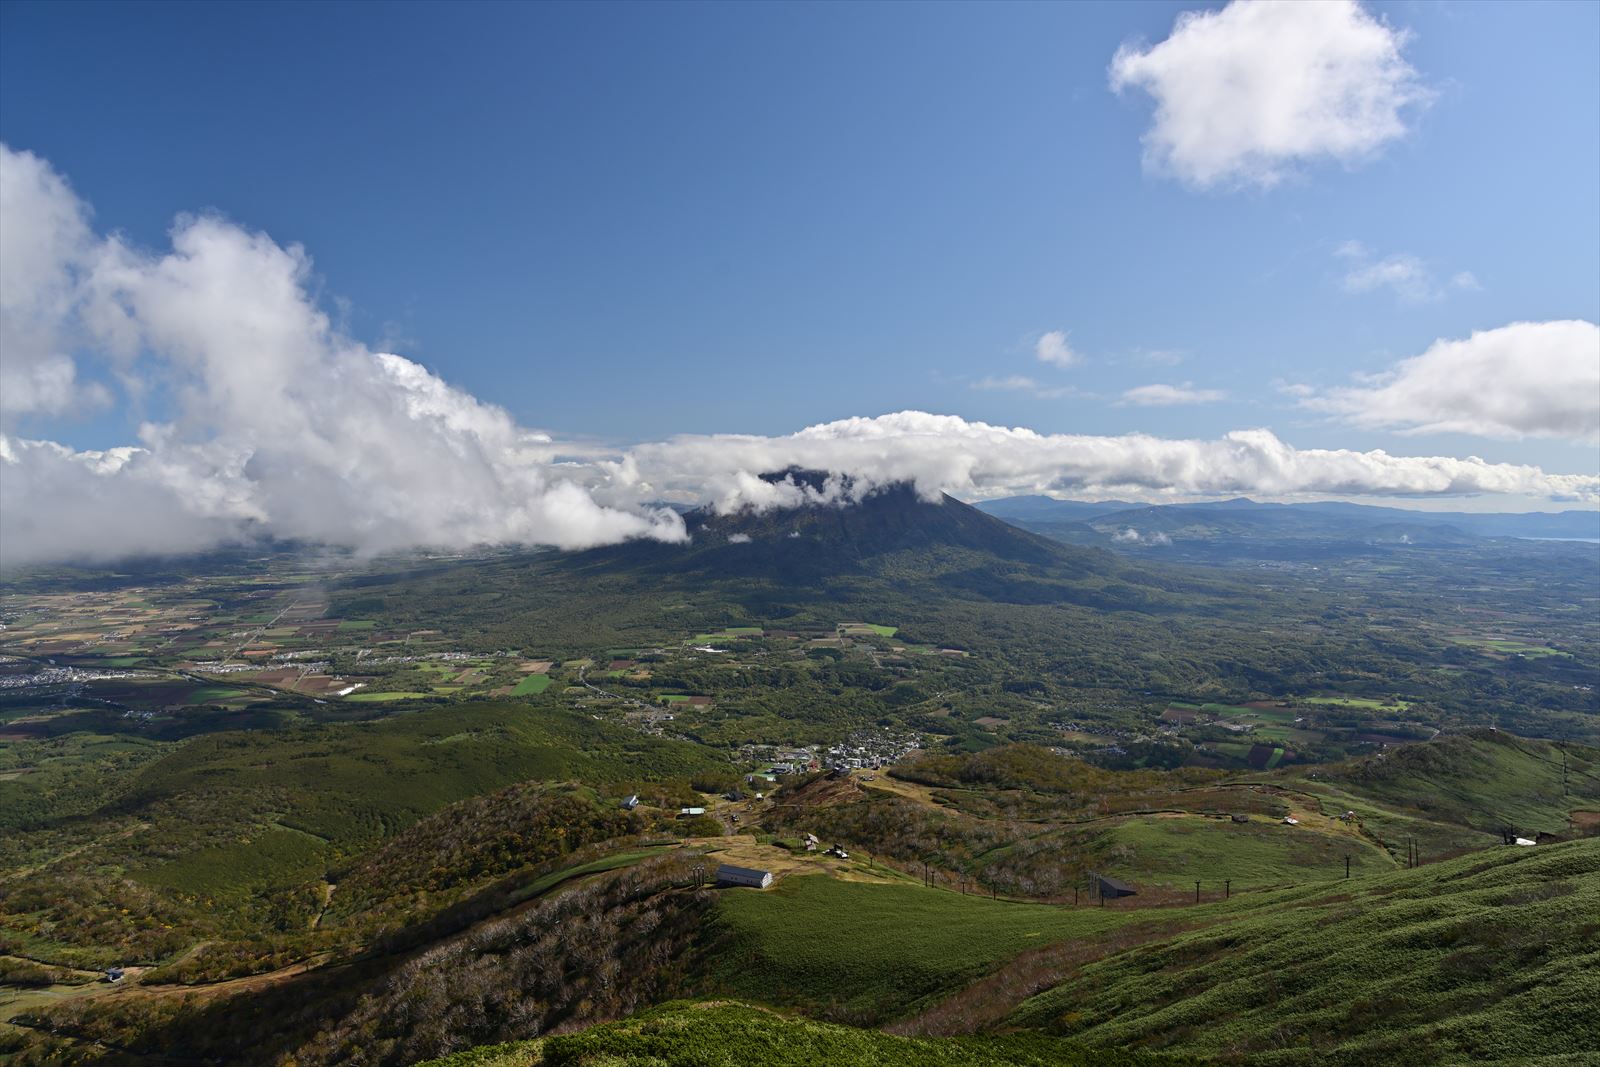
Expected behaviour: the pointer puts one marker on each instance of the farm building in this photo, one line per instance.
(630, 801)
(684, 813)
(1112, 888)
(114, 974)
(728, 874)
(1241, 818)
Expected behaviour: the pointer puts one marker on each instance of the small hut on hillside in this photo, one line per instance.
(1112, 888)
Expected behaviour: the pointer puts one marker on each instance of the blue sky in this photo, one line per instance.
(622, 222)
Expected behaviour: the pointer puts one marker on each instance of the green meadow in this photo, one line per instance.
(1178, 851)
(871, 951)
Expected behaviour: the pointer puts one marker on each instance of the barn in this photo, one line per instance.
(728, 874)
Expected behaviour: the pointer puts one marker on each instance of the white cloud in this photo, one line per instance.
(45, 239)
(948, 453)
(1170, 395)
(1012, 382)
(1528, 379)
(1021, 383)
(283, 425)
(1052, 348)
(1406, 275)
(1246, 94)
(1129, 535)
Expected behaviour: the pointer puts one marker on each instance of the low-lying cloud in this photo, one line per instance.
(975, 459)
(278, 424)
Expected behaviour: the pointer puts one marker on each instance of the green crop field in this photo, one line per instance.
(531, 684)
(1509, 646)
(1357, 702)
(731, 631)
(362, 696)
(1178, 851)
(870, 627)
(211, 693)
(1229, 710)
(875, 951)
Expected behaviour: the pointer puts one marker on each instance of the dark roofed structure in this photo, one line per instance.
(1112, 888)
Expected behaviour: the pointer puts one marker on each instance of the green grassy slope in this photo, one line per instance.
(1180, 851)
(1490, 957)
(865, 952)
(736, 1035)
(1459, 791)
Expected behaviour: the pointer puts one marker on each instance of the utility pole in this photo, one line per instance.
(1197, 892)
(1227, 888)
(1347, 864)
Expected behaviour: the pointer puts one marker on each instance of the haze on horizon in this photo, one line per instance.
(1260, 249)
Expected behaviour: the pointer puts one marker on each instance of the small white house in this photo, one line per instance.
(728, 874)
(684, 813)
(1290, 820)
(630, 801)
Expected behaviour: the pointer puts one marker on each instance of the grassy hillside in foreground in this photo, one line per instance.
(866, 952)
(1490, 957)
(734, 1035)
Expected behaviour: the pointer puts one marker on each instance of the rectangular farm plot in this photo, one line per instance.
(531, 685)
(865, 629)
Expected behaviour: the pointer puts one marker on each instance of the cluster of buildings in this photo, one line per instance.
(871, 748)
(64, 675)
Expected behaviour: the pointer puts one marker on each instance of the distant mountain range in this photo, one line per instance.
(1243, 519)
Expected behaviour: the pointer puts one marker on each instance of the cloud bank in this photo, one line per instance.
(275, 423)
(1247, 94)
(947, 453)
(1527, 379)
